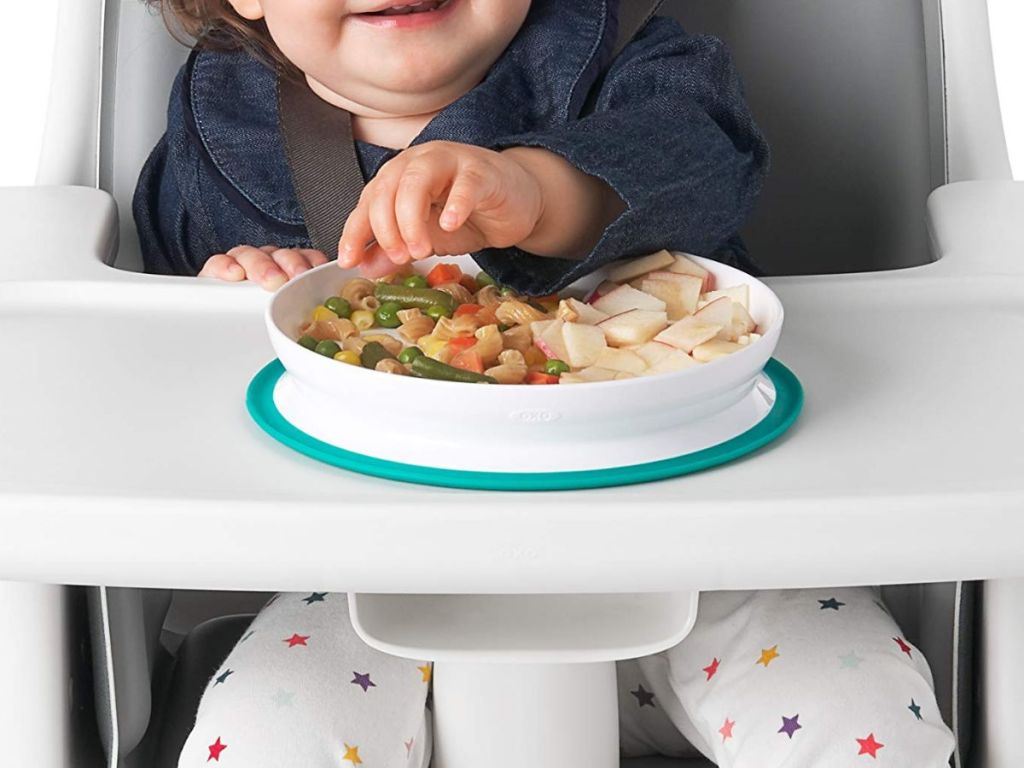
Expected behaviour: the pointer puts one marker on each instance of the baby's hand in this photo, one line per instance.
(269, 265)
(440, 198)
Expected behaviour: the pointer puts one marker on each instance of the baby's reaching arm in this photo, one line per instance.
(446, 198)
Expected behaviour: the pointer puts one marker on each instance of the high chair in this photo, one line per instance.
(128, 464)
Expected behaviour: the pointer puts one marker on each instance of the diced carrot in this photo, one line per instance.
(467, 309)
(469, 283)
(468, 360)
(443, 273)
(536, 377)
(462, 343)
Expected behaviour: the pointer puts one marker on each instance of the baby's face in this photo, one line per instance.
(389, 58)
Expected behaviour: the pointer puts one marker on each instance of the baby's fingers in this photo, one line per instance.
(259, 267)
(472, 186)
(354, 237)
(295, 261)
(223, 267)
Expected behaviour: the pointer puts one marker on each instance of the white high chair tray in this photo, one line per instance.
(127, 457)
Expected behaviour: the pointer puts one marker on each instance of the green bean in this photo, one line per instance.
(407, 355)
(373, 353)
(415, 281)
(483, 279)
(409, 298)
(428, 368)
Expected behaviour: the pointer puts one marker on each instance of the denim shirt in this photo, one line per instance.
(670, 133)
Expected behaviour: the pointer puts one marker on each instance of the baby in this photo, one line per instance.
(506, 129)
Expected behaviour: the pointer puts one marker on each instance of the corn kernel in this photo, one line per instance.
(323, 313)
(432, 346)
(363, 319)
(347, 356)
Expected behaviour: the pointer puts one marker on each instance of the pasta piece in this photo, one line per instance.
(450, 327)
(390, 343)
(488, 296)
(387, 365)
(414, 324)
(566, 312)
(354, 344)
(336, 329)
(519, 337)
(519, 313)
(358, 292)
(489, 344)
(457, 291)
(507, 374)
(512, 357)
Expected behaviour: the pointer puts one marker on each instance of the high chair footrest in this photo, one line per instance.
(537, 629)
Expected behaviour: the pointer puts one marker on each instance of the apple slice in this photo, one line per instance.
(625, 298)
(742, 322)
(621, 360)
(623, 273)
(602, 290)
(588, 375)
(714, 349)
(740, 294)
(717, 312)
(624, 375)
(551, 342)
(583, 344)
(680, 296)
(684, 265)
(653, 352)
(688, 333)
(676, 360)
(585, 313)
(634, 327)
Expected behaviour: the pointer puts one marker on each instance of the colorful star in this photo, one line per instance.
(352, 755)
(316, 597)
(915, 708)
(711, 668)
(869, 746)
(363, 681)
(830, 603)
(296, 639)
(224, 676)
(850, 661)
(408, 746)
(425, 670)
(767, 655)
(903, 646)
(726, 729)
(643, 697)
(790, 725)
(215, 749)
(283, 698)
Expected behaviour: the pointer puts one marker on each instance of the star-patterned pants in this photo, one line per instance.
(796, 678)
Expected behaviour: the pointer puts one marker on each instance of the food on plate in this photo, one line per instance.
(656, 314)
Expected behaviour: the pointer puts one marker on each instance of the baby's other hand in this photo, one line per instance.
(440, 198)
(269, 266)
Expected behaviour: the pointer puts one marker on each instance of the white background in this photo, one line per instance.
(27, 53)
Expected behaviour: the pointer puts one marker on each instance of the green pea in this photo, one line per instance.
(415, 281)
(339, 306)
(387, 314)
(555, 368)
(327, 348)
(407, 355)
(483, 279)
(308, 342)
(506, 291)
(437, 312)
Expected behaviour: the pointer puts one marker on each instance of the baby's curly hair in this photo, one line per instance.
(214, 24)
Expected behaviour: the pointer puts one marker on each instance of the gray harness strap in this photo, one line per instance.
(322, 154)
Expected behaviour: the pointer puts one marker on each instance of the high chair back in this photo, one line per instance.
(867, 106)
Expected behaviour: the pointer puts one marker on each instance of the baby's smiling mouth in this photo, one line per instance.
(423, 6)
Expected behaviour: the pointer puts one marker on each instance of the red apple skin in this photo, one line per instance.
(539, 343)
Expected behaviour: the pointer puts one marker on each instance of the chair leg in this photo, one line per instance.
(1002, 673)
(525, 715)
(35, 673)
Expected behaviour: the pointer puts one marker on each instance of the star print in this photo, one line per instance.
(316, 597)
(425, 670)
(869, 746)
(352, 755)
(711, 668)
(215, 749)
(283, 698)
(903, 646)
(726, 729)
(408, 746)
(830, 603)
(915, 708)
(643, 697)
(850, 661)
(768, 655)
(248, 634)
(790, 725)
(363, 681)
(296, 639)
(224, 676)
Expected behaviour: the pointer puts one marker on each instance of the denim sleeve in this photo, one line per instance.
(671, 134)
